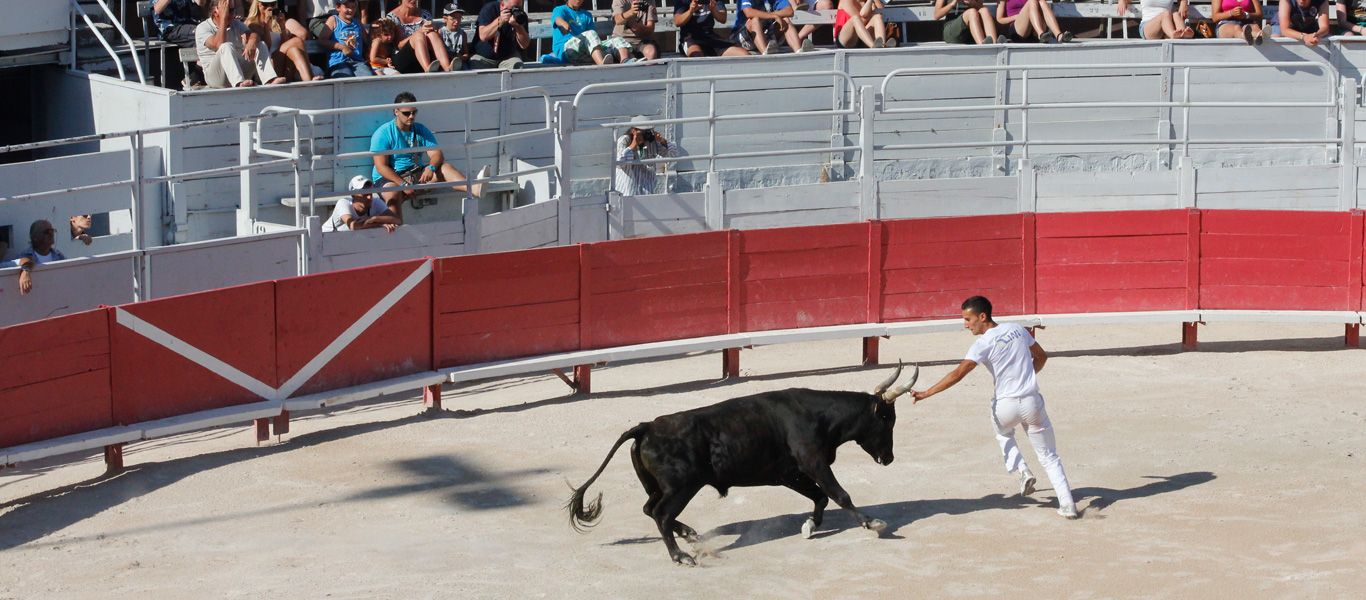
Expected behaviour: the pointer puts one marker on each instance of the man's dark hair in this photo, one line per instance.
(979, 305)
(403, 97)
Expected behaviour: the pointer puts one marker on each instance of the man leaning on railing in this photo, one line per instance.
(42, 250)
(641, 142)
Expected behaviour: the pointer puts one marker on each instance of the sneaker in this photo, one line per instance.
(1247, 34)
(434, 66)
(879, 43)
(631, 60)
(1027, 482)
(768, 49)
(1068, 511)
(891, 42)
(1261, 37)
(807, 45)
(1002, 39)
(477, 189)
(1066, 37)
(1047, 37)
(745, 42)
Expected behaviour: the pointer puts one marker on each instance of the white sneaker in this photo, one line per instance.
(1027, 482)
(477, 189)
(1068, 511)
(807, 45)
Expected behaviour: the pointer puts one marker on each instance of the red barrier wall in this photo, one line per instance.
(1112, 262)
(652, 289)
(506, 305)
(235, 325)
(1276, 260)
(55, 378)
(931, 265)
(312, 311)
(802, 277)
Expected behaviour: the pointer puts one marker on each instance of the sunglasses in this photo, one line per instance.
(408, 113)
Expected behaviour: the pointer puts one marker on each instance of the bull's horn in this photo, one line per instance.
(882, 387)
(892, 394)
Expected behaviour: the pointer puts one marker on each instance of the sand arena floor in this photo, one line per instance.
(1236, 471)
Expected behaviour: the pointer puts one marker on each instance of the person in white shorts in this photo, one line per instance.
(1012, 356)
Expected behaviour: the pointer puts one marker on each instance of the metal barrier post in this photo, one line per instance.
(140, 289)
(564, 132)
(1347, 156)
(246, 154)
(867, 107)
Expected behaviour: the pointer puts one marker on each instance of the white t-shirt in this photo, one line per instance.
(207, 29)
(1150, 9)
(344, 207)
(1004, 350)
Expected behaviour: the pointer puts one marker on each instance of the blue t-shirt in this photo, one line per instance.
(579, 21)
(340, 34)
(741, 5)
(388, 137)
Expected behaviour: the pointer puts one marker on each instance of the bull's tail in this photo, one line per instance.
(582, 517)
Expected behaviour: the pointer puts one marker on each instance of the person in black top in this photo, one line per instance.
(1304, 20)
(500, 36)
(696, 23)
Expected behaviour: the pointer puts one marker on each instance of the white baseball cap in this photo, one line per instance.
(359, 182)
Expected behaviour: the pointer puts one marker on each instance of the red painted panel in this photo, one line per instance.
(955, 254)
(945, 304)
(398, 343)
(1303, 247)
(1107, 224)
(1072, 301)
(235, 325)
(804, 276)
(653, 289)
(55, 381)
(951, 229)
(1147, 248)
(939, 279)
(1114, 276)
(506, 305)
(1266, 297)
(1237, 271)
(1275, 222)
(1357, 247)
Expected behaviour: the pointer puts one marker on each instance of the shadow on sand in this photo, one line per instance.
(900, 514)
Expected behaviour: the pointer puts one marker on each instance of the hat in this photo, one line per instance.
(453, 9)
(267, 1)
(642, 123)
(359, 182)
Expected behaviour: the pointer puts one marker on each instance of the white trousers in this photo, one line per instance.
(228, 68)
(1006, 414)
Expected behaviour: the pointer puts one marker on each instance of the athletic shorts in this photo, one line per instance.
(841, 18)
(709, 44)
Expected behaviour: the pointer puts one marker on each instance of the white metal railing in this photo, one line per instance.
(570, 121)
(298, 155)
(1185, 104)
(117, 24)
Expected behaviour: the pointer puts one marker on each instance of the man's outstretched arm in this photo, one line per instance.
(953, 377)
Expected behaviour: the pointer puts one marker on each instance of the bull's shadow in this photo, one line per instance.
(900, 514)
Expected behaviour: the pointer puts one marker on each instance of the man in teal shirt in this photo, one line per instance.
(412, 167)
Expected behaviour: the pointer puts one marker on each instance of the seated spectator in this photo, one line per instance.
(285, 39)
(1031, 19)
(758, 29)
(807, 31)
(42, 250)
(175, 21)
(230, 53)
(382, 34)
(1350, 18)
(1304, 20)
(696, 23)
(641, 142)
(967, 20)
(1161, 19)
(408, 168)
(860, 20)
(420, 48)
(575, 40)
(635, 24)
(345, 35)
(362, 211)
(80, 229)
(500, 36)
(454, 38)
(1239, 19)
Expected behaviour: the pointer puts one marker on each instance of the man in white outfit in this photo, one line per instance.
(1012, 356)
(230, 54)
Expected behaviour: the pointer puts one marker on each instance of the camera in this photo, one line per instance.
(640, 5)
(647, 136)
(517, 13)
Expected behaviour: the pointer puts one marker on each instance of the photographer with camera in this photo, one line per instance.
(641, 142)
(500, 36)
(696, 23)
(635, 21)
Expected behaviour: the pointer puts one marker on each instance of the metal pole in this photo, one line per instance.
(1024, 112)
(1186, 111)
(140, 291)
(711, 125)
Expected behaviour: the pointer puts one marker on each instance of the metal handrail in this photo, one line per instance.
(118, 25)
(118, 64)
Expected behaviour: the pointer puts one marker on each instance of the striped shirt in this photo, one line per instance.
(633, 178)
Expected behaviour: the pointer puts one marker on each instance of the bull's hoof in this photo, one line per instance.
(875, 524)
(684, 560)
(808, 528)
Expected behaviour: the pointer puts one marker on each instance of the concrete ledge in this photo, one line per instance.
(1281, 316)
(209, 418)
(366, 391)
(71, 443)
(1159, 316)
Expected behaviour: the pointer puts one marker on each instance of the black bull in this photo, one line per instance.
(786, 438)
